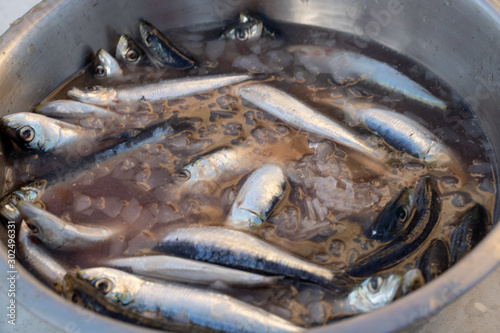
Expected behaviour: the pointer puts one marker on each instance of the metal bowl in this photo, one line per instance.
(458, 40)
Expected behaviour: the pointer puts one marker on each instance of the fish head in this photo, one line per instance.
(106, 65)
(148, 32)
(374, 292)
(116, 286)
(128, 50)
(93, 94)
(245, 32)
(395, 217)
(32, 131)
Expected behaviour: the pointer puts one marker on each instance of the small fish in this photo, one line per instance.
(412, 280)
(373, 293)
(258, 197)
(471, 229)
(57, 234)
(129, 51)
(38, 260)
(155, 91)
(293, 112)
(353, 68)
(37, 132)
(160, 48)
(70, 109)
(167, 303)
(106, 66)
(240, 250)
(186, 270)
(248, 29)
(395, 217)
(435, 260)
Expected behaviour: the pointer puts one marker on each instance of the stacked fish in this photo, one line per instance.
(196, 273)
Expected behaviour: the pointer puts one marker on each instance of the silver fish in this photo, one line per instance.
(155, 91)
(187, 270)
(373, 293)
(37, 259)
(40, 133)
(129, 51)
(106, 66)
(248, 29)
(299, 115)
(176, 303)
(349, 68)
(240, 250)
(72, 110)
(55, 233)
(258, 196)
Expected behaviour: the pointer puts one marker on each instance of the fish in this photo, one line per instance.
(435, 260)
(240, 250)
(58, 234)
(191, 271)
(471, 229)
(373, 293)
(395, 217)
(258, 197)
(129, 51)
(412, 280)
(70, 109)
(349, 68)
(248, 29)
(428, 208)
(161, 50)
(39, 133)
(106, 66)
(293, 112)
(38, 260)
(179, 304)
(175, 88)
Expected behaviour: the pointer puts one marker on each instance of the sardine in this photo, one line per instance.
(129, 51)
(70, 109)
(435, 260)
(160, 48)
(373, 293)
(106, 66)
(353, 68)
(472, 228)
(248, 29)
(40, 133)
(155, 91)
(428, 207)
(240, 250)
(258, 197)
(186, 270)
(176, 303)
(395, 217)
(38, 260)
(55, 233)
(293, 112)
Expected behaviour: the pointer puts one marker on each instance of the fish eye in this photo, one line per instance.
(26, 133)
(100, 71)
(104, 285)
(242, 34)
(33, 228)
(91, 88)
(149, 39)
(375, 284)
(132, 55)
(185, 174)
(402, 214)
(76, 298)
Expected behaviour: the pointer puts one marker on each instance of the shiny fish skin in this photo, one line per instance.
(57, 234)
(240, 250)
(435, 260)
(160, 48)
(106, 66)
(40, 133)
(179, 304)
(373, 293)
(129, 51)
(293, 112)
(37, 259)
(72, 110)
(155, 91)
(258, 196)
(186, 270)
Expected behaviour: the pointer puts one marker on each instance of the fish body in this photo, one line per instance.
(472, 228)
(186, 270)
(129, 51)
(373, 293)
(293, 112)
(435, 260)
(258, 197)
(72, 110)
(240, 250)
(179, 304)
(160, 48)
(37, 132)
(106, 66)
(55, 233)
(155, 91)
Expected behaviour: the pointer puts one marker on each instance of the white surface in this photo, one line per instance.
(477, 311)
